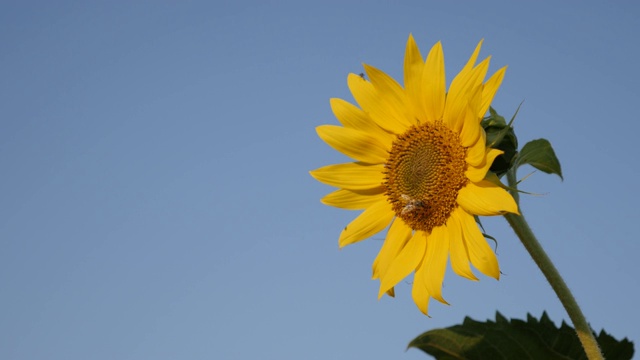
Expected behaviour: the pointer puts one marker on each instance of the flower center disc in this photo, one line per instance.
(425, 170)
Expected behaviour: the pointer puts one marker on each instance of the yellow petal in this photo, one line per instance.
(406, 262)
(413, 66)
(462, 80)
(352, 176)
(476, 174)
(490, 89)
(486, 199)
(354, 143)
(351, 116)
(476, 75)
(419, 291)
(474, 57)
(458, 250)
(373, 104)
(476, 154)
(461, 94)
(397, 237)
(479, 73)
(470, 127)
(353, 200)
(454, 102)
(392, 95)
(455, 110)
(435, 262)
(434, 83)
(373, 220)
(481, 255)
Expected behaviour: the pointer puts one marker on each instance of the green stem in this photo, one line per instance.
(528, 239)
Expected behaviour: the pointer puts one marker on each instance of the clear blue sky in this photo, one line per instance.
(155, 201)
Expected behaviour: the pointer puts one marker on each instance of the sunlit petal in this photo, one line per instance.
(352, 199)
(373, 220)
(406, 262)
(352, 176)
(351, 116)
(458, 254)
(490, 89)
(476, 153)
(413, 67)
(476, 174)
(436, 261)
(354, 143)
(419, 290)
(372, 103)
(481, 255)
(397, 237)
(433, 83)
(486, 199)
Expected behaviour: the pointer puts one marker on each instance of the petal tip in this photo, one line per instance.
(425, 312)
(441, 299)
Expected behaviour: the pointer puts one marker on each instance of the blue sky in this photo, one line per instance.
(156, 201)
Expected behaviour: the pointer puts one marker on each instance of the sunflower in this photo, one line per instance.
(420, 168)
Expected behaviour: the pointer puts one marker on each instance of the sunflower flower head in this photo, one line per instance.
(420, 165)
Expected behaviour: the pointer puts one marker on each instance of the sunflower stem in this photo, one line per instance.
(528, 239)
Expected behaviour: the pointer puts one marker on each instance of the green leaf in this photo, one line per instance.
(540, 155)
(614, 349)
(514, 339)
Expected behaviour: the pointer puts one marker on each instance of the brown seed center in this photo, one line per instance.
(425, 170)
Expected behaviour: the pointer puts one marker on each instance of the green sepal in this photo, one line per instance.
(487, 236)
(493, 178)
(539, 154)
(514, 339)
(500, 135)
